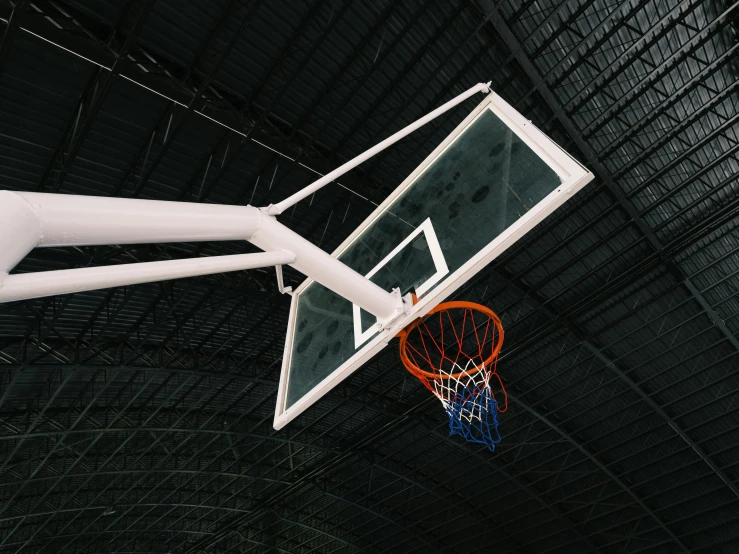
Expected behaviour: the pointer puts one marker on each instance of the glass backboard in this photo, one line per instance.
(490, 182)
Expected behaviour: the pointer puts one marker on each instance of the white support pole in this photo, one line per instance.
(327, 270)
(276, 209)
(67, 281)
(28, 220)
(68, 220)
(20, 231)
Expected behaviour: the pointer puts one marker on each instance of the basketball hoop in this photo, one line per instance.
(453, 350)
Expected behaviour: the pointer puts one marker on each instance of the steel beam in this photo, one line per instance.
(263, 118)
(657, 29)
(192, 105)
(570, 439)
(592, 157)
(329, 465)
(613, 366)
(482, 459)
(659, 72)
(376, 65)
(163, 83)
(200, 450)
(91, 101)
(12, 25)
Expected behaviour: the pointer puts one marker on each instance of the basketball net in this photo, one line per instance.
(453, 351)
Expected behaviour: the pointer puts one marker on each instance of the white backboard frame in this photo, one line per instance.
(437, 256)
(573, 176)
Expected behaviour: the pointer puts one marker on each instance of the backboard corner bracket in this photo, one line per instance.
(403, 306)
(281, 283)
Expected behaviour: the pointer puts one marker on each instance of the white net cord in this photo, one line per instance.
(469, 403)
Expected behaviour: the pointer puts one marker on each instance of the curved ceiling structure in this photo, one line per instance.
(139, 419)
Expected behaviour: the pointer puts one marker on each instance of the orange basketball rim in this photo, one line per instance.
(454, 340)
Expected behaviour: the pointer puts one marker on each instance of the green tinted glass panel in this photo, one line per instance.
(478, 187)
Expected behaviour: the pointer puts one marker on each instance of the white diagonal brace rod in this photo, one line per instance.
(277, 209)
(68, 281)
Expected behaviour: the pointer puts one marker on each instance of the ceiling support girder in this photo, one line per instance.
(59, 443)
(213, 395)
(91, 101)
(543, 88)
(12, 26)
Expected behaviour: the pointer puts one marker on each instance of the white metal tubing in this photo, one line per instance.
(68, 220)
(325, 269)
(276, 209)
(65, 281)
(20, 231)
(87, 220)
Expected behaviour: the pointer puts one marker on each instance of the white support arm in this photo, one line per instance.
(20, 231)
(327, 270)
(67, 281)
(29, 220)
(68, 220)
(277, 209)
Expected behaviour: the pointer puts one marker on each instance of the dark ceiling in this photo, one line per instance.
(139, 419)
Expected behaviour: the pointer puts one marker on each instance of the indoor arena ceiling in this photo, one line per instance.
(139, 419)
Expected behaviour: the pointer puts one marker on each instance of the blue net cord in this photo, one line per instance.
(474, 417)
(470, 404)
